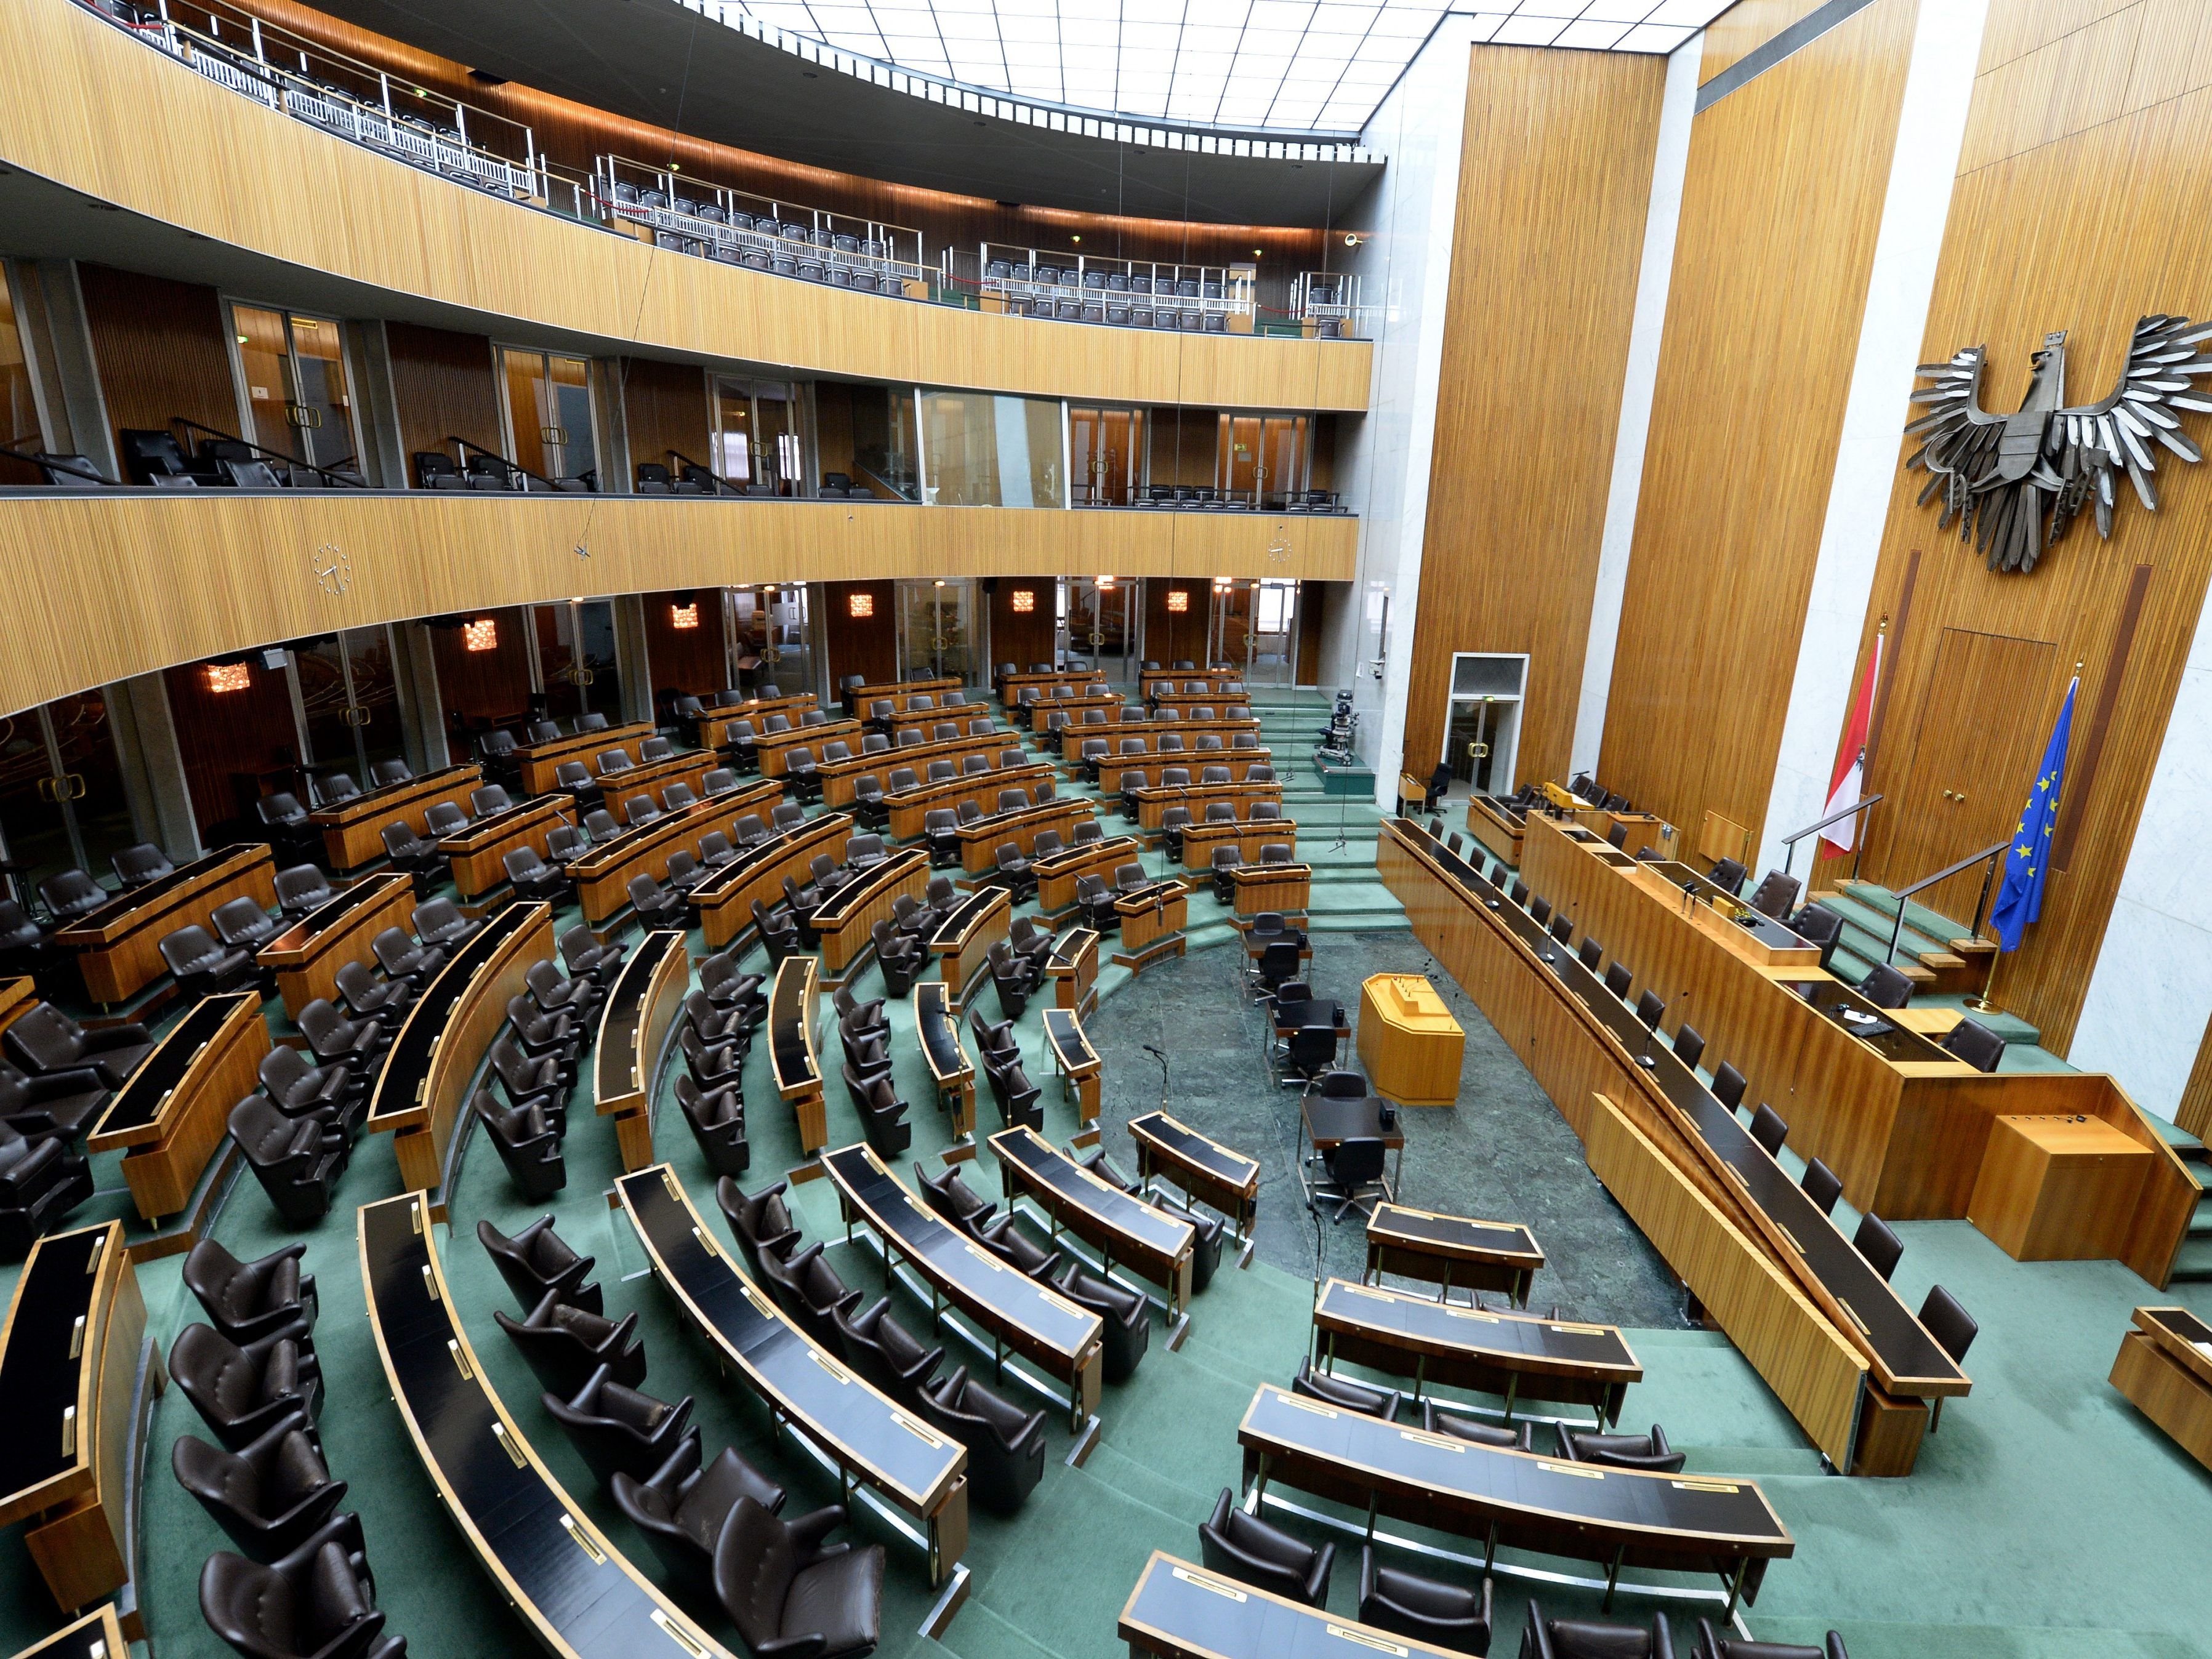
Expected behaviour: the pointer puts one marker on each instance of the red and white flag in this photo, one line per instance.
(1843, 790)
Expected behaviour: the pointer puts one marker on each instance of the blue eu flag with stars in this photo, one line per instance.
(2027, 861)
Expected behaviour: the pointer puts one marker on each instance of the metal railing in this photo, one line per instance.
(36, 455)
(334, 478)
(1327, 303)
(588, 481)
(1988, 854)
(1082, 288)
(1789, 842)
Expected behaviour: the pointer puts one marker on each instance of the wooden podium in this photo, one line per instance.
(1409, 1041)
(1153, 920)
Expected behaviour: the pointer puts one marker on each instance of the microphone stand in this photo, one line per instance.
(1162, 1058)
(1651, 1032)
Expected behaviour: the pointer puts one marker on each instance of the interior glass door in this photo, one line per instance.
(549, 412)
(1105, 450)
(62, 803)
(937, 630)
(1270, 645)
(297, 398)
(351, 697)
(1099, 627)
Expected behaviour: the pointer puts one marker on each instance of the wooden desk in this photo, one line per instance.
(76, 1404)
(1073, 968)
(724, 900)
(1058, 872)
(118, 946)
(1153, 918)
(1011, 686)
(1152, 803)
(1326, 1122)
(1179, 1610)
(962, 940)
(98, 1635)
(19, 994)
(641, 1005)
(1450, 1250)
(2165, 1366)
(1074, 1060)
(776, 751)
(305, 956)
(793, 999)
(2058, 1189)
(1409, 1043)
(981, 839)
(883, 1450)
(564, 1577)
(1504, 1353)
(539, 760)
(910, 808)
(1186, 702)
(651, 778)
(1149, 680)
(1618, 1517)
(423, 1086)
(926, 720)
(845, 922)
(713, 727)
(839, 777)
(1248, 836)
(1287, 887)
(1496, 828)
(602, 874)
(1027, 1318)
(1207, 1171)
(1123, 1228)
(1113, 764)
(353, 829)
(857, 699)
(1637, 830)
(168, 1120)
(476, 854)
(950, 1068)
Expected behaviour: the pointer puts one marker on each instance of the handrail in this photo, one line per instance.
(1988, 854)
(1789, 842)
(465, 444)
(262, 449)
(721, 484)
(39, 457)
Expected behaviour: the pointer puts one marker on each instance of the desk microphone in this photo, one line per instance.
(1645, 1059)
(1550, 953)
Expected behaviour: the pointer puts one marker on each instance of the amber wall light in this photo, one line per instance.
(228, 676)
(482, 634)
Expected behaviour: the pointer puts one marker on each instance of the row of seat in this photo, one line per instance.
(56, 1080)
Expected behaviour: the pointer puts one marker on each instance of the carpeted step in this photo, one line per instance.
(2192, 1263)
(1948, 934)
(2015, 1031)
(1865, 936)
(1911, 1641)
(2200, 1223)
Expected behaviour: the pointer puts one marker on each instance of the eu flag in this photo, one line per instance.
(2027, 861)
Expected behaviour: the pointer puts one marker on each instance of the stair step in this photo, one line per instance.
(1867, 931)
(2193, 1261)
(1920, 918)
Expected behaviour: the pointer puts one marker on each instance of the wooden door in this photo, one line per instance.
(1986, 714)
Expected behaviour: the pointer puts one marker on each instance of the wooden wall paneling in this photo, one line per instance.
(685, 660)
(833, 430)
(1744, 27)
(666, 407)
(866, 645)
(477, 687)
(1553, 193)
(1022, 636)
(65, 72)
(1781, 204)
(159, 348)
(2039, 238)
(444, 385)
(1184, 446)
(2195, 1112)
(1173, 635)
(228, 739)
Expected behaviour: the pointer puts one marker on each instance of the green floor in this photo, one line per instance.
(2046, 1518)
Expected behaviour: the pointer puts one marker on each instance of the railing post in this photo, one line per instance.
(1988, 875)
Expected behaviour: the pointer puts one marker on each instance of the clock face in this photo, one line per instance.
(332, 568)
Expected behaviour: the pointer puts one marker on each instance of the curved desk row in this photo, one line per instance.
(538, 761)
(724, 900)
(306, 955)
(117, 947)
(353, 828)
(98, 1635)
(1284, 888)
(910, 808)
(1017, 1312)
(476, 856)
(873, 1442)
(1010, 687)
(1249, 837)
(1152, 918)
(423, 1088)
(1207, 1171)
(839, 776)
(712, 727)
(1152, 803)
(577, 1593)
(1618, 1517)
(963, 941)
(1074, 1060)
(774, 748)
(603, 875)
(1151, 1243)
(1073, 968)
(169, 1117)
(981, 839)
(793, 1000)
(844, 922)
(857, 699)
(1058, 872)
(641, 1008)
(1182, 1610)
(939, 1032)
(1449, 1251)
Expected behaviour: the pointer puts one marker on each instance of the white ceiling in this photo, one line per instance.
(1283, 66)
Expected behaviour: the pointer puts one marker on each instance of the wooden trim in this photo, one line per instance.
(2077, 787)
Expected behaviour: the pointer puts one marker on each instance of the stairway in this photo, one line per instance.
(1936, 954)
(2192, 1263)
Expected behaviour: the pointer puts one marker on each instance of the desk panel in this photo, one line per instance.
(1122, 1228)
(641, 1005)
(793, 999)
(118, 946)
(171, 1115)
(1182, 1610)
(1208, 1172)
(724, 900)
(353, 829)
(1449, 1250)
(305, 956)
(474, 855)
(603, 875)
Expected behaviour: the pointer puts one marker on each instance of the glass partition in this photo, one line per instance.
(549, 412)
(884, 447)
(61, 803)
(937, 632)
(757, 445)
(984, 450)
(774, 634)
(1105, 456)
(19, 403)
(291, 371)
(576, 657)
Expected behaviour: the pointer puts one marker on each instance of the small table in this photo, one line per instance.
(2057, 1188)
(1326, 1123)
(1409, 1043)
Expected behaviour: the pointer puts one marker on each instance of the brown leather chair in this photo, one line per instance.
(617, 1429)
(1649, 1452)
(1545, 1637)
(1822, 1186)
(1712, 1645)
(881, 1350)
(810, 1291)
(566, 1345)
(1242, 1547)
(1427, 1609)
(1436, 1421)
(681, 1508)
(1006, 1444)
(251, 1299)
(1347, 1395)
(317, 1602)
(790, 1595)
(1886, 987)
(527, 1144)
(760, 1221)
(269, 1495)
(536, 1261)
(717, 1121)
(297, 1160)
(55, 1103)
(1125, 1314)
(1975, 1044)
(46, 1040)
(241, 1393)
(41, 1181)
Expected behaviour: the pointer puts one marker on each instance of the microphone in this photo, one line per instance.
(1651, 1032)
(1551, 953)
(1153, 1051)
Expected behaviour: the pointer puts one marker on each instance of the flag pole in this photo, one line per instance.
(1984, 1003)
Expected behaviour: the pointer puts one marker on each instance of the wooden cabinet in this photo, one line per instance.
(2057, 1188)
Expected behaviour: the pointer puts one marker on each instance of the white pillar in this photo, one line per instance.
(1637, 386)
(1939, 86)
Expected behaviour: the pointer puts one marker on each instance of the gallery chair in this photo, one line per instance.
(617, 1429)
(1427, 1609)
(681, 1508)
(1125, 1314)
(243, 923)
(46, 1040)
(1242, 1547)
(791, 1595)
(268, 1495)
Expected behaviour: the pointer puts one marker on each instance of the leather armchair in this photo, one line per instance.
(71, 894)
(531, 877)
(1017, 1097)
(617, 1429)
(297, 1160)
(732, 989)
(712, 1065)
(412, 855)
(778, 930)
(317, 1602)
(883, 1115)
(1650, 1452)
(1004, 1239)
(586, 958)
(40, 1181)
(1206, 1246)
(681, 1508)
(902, 957)
(46, 1040)
(556, 1037)
(1428, 1610)
(717, 1119)
(1006, 1444)
(791, 1596)
(952, 1197)
(303, 888)
(295, 1088)
(811, 1293)
(268, 1495)
(655, 906)
(241, 1393)
(242, 922)
(440, 924)
(760, 1221)
(1125, 1313)
(1435, 1421)
(335, 1040)
(1711, 1645)
(526, 1143)
(565, 1346)
(578, 997)
(367, 997)
(1267, 1557)
(861, 1018)
(879, 1347)
(530, 1081)
(402, 958)
(536, 1260)
(714, 1025)
(53, 1103)
(251, 1299)
(1544, 1638)
(1347, 1395)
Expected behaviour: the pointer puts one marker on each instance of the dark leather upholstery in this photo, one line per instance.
(303, 888)
(241, 1392)
(242, 922)
(681, 1508)
(1208, 1231)
(295, 1086)
(1768, 1129)
(248, 1300)
(1729, 876)
(440, 924)
(879, 1348)
(1426, 1609)
(1351, 1396)
(810, 1291)
(717, 1121)
(1622, 1451)
(527, 1144)
(619, 1429)
(368, 996)
(1712, 1645)
(586, 958)
(401, 957)
(1729, 1086)
(41, 1181)
(1886, 987)
(536, 1260)
(578, 996)
(1822, 1186)
(1877, 1243)
(1006, 1444)
(759, 1221)
(1126, 1315)
(1473, 1429)
(1976, 1044)
(1816, 924)
(70, 894)
(949, 1193)
(56, 1103)
(565, 1346)
(1775, 895)
(297, 1160)
(1267, 1557)
(270, 1494)
(790, 1595)
(318, 1600)
(46, 1040)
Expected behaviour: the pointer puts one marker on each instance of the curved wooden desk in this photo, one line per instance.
(1123, 1228)
(845, 922)
(475, 855)
(1207, 1171)
(950, 1068)
(169, 1117)
(603, 875)
(306, 955)
(118, 946)
(910, 808)
(539, 760)
(791, 1005)
(1451, 1251)
(962, 940)
(353, 829)
(641, 1005)
(724, 900)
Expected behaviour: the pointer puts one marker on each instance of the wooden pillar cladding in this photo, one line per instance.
(444, 384)
(1781, 204)
(160, 350)
(686, 658)
(864, 644)
(1022, 636)
(2041, 237)
(666, 405)
(1554, 189)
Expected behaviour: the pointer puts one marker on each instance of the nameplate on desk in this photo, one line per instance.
(1189, 1577)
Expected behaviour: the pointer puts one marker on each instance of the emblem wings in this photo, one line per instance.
(1999, 474)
